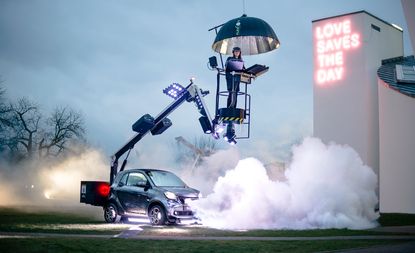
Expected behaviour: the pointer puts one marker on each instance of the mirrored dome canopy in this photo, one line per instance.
(252, 35)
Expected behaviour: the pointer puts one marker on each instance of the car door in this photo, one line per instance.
(135, 198)
(123, 193)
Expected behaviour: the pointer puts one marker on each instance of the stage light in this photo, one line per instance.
(174, 90)
(206, 125)
(216, 136)
(230, 134)
(219, 129)
(161, 126)
(232, 142)
(213, 62)
(143, 124)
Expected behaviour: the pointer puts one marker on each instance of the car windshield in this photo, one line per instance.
(166, 179)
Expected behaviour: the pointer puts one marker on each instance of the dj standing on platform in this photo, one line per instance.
(233, 63)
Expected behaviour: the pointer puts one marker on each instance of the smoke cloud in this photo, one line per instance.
(61, 181)
(203, 177)
(8, 195)
(326, 186)
(51, 183)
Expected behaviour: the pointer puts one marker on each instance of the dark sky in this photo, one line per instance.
(111, 60)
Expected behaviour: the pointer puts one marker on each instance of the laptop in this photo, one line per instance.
(233, 65)
(257, 70)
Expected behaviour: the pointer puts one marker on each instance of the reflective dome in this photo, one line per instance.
(252, 35)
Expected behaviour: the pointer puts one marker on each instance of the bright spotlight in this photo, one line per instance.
(219, 129)
(230, 135)
(232, 142)
(206, 125)
(174, 90)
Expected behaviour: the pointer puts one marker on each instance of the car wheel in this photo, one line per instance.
(157, 215)
(111, 214)
(172, 221)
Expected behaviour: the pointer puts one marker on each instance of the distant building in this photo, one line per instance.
(349, 106)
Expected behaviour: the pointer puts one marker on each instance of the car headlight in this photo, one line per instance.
(200, 195)
(170, 195)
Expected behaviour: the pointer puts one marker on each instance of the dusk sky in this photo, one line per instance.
(111, 60)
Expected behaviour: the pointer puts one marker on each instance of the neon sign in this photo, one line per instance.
(332, 40)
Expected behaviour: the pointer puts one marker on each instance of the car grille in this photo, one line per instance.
(184, 199)
(183, 213)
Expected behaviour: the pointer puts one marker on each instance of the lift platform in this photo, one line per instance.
(241, 115)
(252, 36)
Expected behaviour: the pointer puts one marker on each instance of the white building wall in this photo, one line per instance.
(397, 151)
(346, 110)
(381, 45)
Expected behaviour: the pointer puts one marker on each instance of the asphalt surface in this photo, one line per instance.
(134, 234)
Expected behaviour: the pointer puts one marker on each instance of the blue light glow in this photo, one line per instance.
(174, 90)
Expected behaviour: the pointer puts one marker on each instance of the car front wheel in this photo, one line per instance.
(157, 215)
(110, 213)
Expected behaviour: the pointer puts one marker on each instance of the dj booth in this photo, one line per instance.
(237, 67)
(252, 72)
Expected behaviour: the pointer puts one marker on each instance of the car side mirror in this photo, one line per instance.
(146, 185)
(120, 184)
(143, 184)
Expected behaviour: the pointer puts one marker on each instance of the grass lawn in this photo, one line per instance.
(32, 220)
(128, 245)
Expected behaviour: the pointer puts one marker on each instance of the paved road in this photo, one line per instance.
(134, 234)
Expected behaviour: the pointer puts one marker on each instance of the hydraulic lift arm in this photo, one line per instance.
(159, 124)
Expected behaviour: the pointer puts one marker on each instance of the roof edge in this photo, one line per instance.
(393, 60)
(386, 74)
(357, 12)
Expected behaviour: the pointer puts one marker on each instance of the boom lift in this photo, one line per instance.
(157, 125)
(96, 192)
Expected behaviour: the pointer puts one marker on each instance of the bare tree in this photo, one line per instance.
(2, 92)
(4, 119)
(25, 119)
(64, 125)
(23, 130)
(3, 108)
